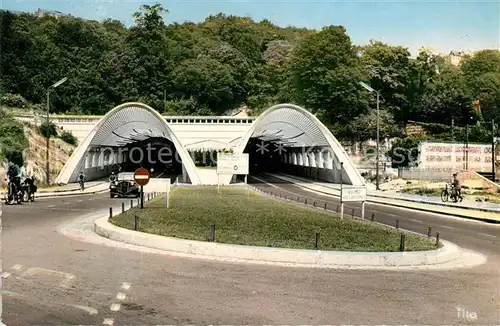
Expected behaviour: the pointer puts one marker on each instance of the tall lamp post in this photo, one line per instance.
(47, 162)
(368, 88)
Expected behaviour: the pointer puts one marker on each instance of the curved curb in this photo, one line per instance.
(279, 256)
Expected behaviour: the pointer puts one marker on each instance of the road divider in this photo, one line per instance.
(448, 256)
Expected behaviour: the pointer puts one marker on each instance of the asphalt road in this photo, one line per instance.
(50, 279)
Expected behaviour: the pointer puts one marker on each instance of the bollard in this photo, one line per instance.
(138, 201)
(373, 217)
(123, 206)
(298, 198)
(429, 232)
(110, 212)
(317, 240)
(211, 236)
(314, 204)
(325, 206)
(136, 222)
(131, 203)
(337, 210)
(402, 243)
(397, 224)
(352, 214)
(148, 196)
(437, 238)
(305, 201)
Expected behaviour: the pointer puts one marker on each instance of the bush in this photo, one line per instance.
(14, 101)
(48, 130)
(69, 138)
(13, 141)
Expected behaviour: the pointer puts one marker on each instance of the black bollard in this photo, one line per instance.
(136, 222)
(317, 240)
(402, 243)
(397, 224)
(123, 206)
(131, 203)
(352, 214)
(211, 237)
(325, 206)
(429, 232)
(373, 217)
(314, 204)
(305, 201)
(110, 212)
(437, 238)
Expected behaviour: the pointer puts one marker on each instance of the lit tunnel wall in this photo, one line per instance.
(126, 124)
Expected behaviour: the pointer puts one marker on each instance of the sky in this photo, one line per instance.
(442, 26)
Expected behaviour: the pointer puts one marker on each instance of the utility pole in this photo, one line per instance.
(452, 130)
(493, 156)
(467, 147)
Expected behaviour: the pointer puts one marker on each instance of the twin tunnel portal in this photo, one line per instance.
(283, 139)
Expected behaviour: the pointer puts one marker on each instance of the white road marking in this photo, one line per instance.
(50, 206)
(125, 285)
(65, 283)
(108, 321)
(80, 201)
(448, 227)
(416, 221)
(6, 274)
(90, 310)
(115, 307)
(121, 296)
(487, 235)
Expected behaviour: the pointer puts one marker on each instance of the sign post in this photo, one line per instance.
(141, 176)
(341, 192)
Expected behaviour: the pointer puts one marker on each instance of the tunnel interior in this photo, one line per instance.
(156, 153)
(263, 157)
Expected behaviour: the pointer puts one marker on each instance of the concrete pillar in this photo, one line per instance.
(294, 159)
(300, 159)
(312, 159)
(319, 159)
(88, 160)
(305, 158)
(327, 157)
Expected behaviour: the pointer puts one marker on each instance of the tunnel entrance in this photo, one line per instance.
(158, 154)
(264, 156)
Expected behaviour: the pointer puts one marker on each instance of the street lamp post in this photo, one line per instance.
(47, 162)
(368, 88)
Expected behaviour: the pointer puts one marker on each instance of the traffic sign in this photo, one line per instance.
(141, 176)
(232, 163)
(353, 193)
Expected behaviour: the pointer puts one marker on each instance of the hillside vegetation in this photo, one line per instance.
(22, 142)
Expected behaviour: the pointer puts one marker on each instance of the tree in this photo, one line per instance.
(324, 73)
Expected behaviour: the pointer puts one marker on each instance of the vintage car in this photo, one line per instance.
(124, 186)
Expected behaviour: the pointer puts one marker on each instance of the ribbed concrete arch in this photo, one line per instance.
(126, 123)
(294, 126)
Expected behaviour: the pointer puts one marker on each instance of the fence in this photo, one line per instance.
(425, 174)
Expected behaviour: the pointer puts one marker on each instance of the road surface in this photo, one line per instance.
(50, 279)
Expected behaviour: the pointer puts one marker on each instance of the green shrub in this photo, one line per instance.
(14, 101)
(69, 138)
(48, 130)
(13, 141)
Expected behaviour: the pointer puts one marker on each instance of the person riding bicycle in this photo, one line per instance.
(27, 176)
(81, 179)
(14, 175)
(112, 177)
(457, 187)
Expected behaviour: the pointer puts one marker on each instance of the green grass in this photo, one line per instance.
(247, 218)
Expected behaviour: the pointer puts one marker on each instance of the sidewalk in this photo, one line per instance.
(470, 212)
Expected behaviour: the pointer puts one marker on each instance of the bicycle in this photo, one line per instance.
(447, 194)
(12, 194)
(29, 190)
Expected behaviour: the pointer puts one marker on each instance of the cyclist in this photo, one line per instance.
(81, 180)
(14, 175)
(112, 177)
(457, 187)
(27, 177)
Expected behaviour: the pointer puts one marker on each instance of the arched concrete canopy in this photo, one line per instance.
(126, 123)
(294, 126)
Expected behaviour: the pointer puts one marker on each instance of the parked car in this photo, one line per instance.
(124, 186)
